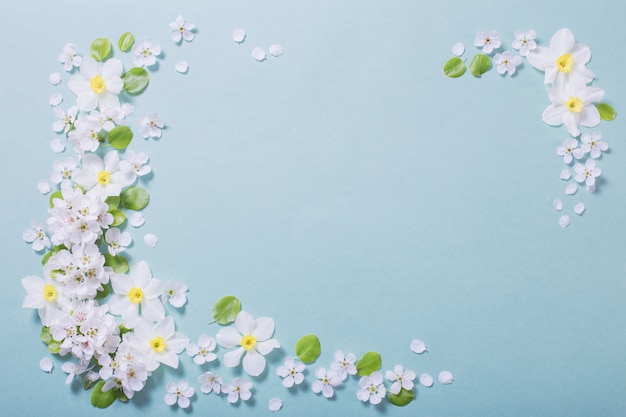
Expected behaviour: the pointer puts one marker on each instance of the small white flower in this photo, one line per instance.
(274, 404)
(525, 41)
(506, 62)
(210, 383)
(417, 346)
(372, 388)
(63, 170)
(182, 29)
(46, 364)
(237, 388)
(400, 378)
(587, 173)
(179, 393)
(488, 41)
(291, 372)
(344, 365)
(593, 145)
(150, 126)
(37, 237)
(174, 292)
(203, 351)
(239, 35)
(116, 240)
(568, 149)
(66, 119)
(69, 57)
(145, 52)
(326, 380)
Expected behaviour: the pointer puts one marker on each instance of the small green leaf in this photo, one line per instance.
(118, 217)
(57, 194)
(45, 335)
(480, 64)
(134, 198)
(135, 80)
(120, 137)
(102, 399)
(113, 202)
(225, 310)
(119, 394)
(124, 329)
(370, 362)
(402, 398)
(117, 262)
(54, 346)
(53, 251)
(607, 112)
(100, 49)
(103, 292)
(308, 348)
(454, 68)
(126, 41)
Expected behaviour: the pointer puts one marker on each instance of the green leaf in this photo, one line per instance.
(607, 112)
(370, 362)
(308, 348)
(225, 309)
(135, 80)
(454, 68)
(102, 399)
(126, 41)
(119, 394)
(134, 198)
(54, 346)
(402, 398)
(480, 64)
(118, 217)
(117, 262)
(124, 329)
(103, 292)
(57, 194)
(113, 202)
(53, 251)
(120, 137)
(100, 49)
(45, 335)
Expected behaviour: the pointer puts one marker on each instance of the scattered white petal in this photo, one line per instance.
(57, 146)
(558, 204)
(276, 50)
(150, 240)
(458, 49)
(591, 188)
(275, 404)
(136, 219)
(44, 187)
(426, 380)
(564, 221)
(418, 346)
(239, 35)
(579, 208)
(565, 174)
(182, 67)
(55, 99)
(571, 189)
(446, 377)
(46, 364)
(55, 78)
(258, 54)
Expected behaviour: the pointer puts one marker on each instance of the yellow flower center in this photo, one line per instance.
(158, 344)
(104, 178)
(574, 104)
(135, 295)
(248, 342)
(49, 292)
(565, 63)
(97, 84)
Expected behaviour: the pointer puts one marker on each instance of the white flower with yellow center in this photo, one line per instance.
(372, 388)
(145, 52)
(564, 61)
(97, 86)
(103, 177)
(252, 337)
(135, 290)
(44, 295)
(572, 105)
(157, 342)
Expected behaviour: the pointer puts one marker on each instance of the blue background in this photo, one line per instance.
(347, 189)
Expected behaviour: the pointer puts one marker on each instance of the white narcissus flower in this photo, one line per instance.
(37, 237)
(97, 86)
(400, 378)
(69, 57)
(145, 52)
(42, 294)
(252, 337)
(237, 388)
(593, 145)
(179, 393)
(203, 351)
(135, 290)
(103, 177)
(525, 41)
(487, 40)
(564, 61)
(372, 388)
(291, 372)
(568, 149)
(150, 126)
(157, 342)
(182, 29)
(572, 105)
(507, 62)
(587, 173)
(326, 380)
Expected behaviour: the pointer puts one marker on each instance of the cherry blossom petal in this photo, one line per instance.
(426, 380)
(57, 146)
(136, 219)
(446, 377)
(276, 50)
(579, 208)
(417, 346)
(558, 204)
(565, 175)
(458, 49)
(274, 404)
(46, 364)
(258, 54)
(181, 67)
(55, 99)
(571, 189)
(55, 78)
(239, 35)
(564, 221)
(150, 240)
(44, 187)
